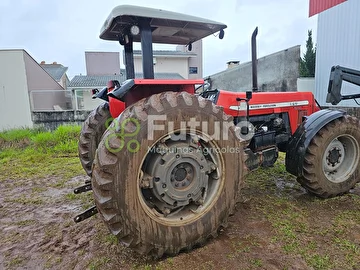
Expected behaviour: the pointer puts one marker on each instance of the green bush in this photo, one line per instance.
(18, 138)
(63, 140)
(32, 153)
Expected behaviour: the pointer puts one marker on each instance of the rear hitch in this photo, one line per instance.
(86, 214)
(84, 188)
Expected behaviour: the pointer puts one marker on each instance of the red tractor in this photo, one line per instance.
(166, 172)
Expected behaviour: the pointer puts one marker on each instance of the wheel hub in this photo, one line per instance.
(177, 173)
(341, 158)
(334, 156)
(182, 175)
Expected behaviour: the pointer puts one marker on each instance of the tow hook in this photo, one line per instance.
(84, 188)
(86, 214)
(89, 212)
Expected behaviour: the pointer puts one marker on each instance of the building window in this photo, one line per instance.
(193, 70)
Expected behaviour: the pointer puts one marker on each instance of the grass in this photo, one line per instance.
(257, 262)
(25, 200)
(24, 223)
(17, 137)
(32, 153)
(98, 263)
(16, 261)
(320, 231)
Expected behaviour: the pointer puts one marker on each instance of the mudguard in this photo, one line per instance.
(121, 91)
(302, 137)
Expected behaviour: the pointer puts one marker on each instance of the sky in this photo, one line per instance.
(61, 31)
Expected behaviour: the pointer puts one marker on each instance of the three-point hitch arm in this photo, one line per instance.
(337, 75)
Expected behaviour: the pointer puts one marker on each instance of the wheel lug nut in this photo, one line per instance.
(164, 186)
(166, 211)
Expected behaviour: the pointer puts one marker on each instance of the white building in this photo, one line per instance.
(338, 43)
(104, 66)
(188, 64)
(20, 76)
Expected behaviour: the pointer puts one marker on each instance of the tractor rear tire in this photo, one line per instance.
(161, 191)
(331, 165)
(91, 133)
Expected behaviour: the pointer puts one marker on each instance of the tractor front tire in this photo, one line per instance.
(160, 186)
(91, 132)
(331, 165)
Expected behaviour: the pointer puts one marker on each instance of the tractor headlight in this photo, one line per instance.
(134, 30)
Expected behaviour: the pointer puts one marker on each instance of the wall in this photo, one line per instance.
(50, 100)
(166, 64)
(276, 72)
(64, 81)
(338, 43)
(14, 98)
(306, 84)
(194, 61)
(102, 63)
(41, 87)
(51, 120)
(37, 77)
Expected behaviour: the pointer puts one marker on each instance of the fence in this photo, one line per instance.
(51, 108)
(62, 100)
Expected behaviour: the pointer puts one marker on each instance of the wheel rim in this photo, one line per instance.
(341, 158)
(180, 180)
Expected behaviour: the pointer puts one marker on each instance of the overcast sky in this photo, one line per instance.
(63, 30)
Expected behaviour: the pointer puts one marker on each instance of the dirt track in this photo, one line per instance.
(37, 231)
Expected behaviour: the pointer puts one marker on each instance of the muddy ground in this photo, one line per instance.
(277, 225)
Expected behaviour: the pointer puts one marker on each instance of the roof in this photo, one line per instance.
(168, 53)
(317, 6)
(89, 81)
(167, 27)
(56, 71)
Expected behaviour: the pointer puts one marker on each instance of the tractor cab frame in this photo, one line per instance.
(128, 24)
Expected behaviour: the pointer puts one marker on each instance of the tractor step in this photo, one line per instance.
(86, 214)
(84, 188)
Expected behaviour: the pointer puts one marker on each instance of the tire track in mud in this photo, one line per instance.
(36, 224)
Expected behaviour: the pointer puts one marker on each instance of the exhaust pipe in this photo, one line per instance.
(254, 60)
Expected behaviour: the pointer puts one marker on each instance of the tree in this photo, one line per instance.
(307, 62)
